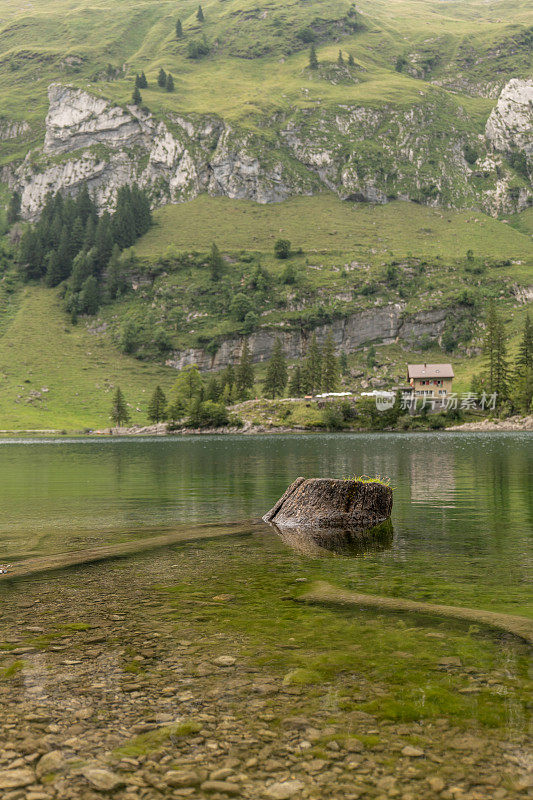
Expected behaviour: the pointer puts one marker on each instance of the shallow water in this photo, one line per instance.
(463, 503)
(91, 655)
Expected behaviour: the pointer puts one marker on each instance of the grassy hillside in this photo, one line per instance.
(344, 266)
(345, 258)
(99, 46)
(326, 224)
(40, 350)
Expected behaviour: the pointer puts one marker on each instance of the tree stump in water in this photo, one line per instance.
(321, 503)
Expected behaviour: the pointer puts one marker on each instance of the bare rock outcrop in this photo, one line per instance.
(511, 121)
(385, 325)
(362, 154)
(321, 504)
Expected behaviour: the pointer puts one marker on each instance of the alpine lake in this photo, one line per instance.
(199, 669)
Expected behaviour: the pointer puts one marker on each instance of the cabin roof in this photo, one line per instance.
(430, 371)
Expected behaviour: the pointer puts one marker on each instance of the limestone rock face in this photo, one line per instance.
(510, 123)
(78, 119)
(90, 140)
(11, 129)
(324, 503)
(386, 325)
(362, 154)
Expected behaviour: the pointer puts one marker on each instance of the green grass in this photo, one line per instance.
(40, 348)
(326, 224)
(253, 50)
(81, 365)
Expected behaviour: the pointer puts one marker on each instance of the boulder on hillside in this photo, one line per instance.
(321, 504)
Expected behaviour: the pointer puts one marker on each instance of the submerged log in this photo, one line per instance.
(324, 503)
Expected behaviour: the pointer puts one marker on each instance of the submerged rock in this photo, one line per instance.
(322, 504)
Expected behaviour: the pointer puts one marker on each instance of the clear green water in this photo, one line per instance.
(462, 516)
(463, 504)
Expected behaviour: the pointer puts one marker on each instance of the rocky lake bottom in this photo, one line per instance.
(160, 676)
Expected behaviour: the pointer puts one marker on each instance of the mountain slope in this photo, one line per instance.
(401, 173)
(55, 375)
(250, 119)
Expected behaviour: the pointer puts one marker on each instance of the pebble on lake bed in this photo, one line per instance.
(225, 661)
(412, 752)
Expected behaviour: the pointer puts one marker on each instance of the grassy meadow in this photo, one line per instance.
(251, 47)
(41, 350)
(325, 224)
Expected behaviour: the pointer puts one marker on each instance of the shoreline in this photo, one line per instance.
(512, 424)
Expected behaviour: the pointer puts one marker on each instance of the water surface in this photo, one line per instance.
(463, 503)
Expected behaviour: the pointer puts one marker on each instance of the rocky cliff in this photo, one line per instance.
(380, 325)
(510, 124)
(422, 152)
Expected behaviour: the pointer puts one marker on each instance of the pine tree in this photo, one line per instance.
(31, 255)
(313, 60)
(343, 362)
(103, 241)
(495, 352)
(82, 268)
(52, 232)
(157, 405)
(123, 225)
(524, 358)
(138, 81)
(89, 234)
(143, 83)
(227, 378)
(312, 371)
(179, 29)
(176, 409)
(119, 411)
(295, 383)
(53, 270)
(340, 59)
(523, 372)
(330, 366)
(89, 299)
(212, 391)
(140, 206)
(162, 78)
(116, 282)
(64, 253)
(188, 384)
(13, 209)
(170, 83)
(69, 208)
(216, 263)
(77, 235)
(200, 14)
(351, 61)
(276, 373)
(136, 98)
(244, 374)
(84, 206)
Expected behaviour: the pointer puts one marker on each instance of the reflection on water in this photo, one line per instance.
(313, 542)
(463, 505)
